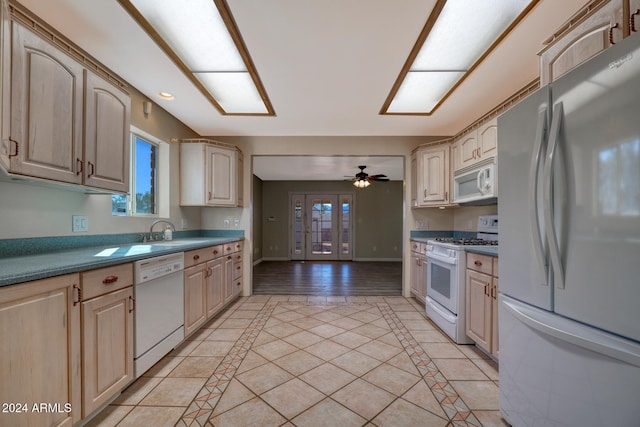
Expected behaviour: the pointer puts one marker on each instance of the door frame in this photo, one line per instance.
(303, 254)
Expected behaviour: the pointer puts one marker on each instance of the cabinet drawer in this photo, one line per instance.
(495, 266)
(237, 270)
(105, 280)
(232, 247)
(198, 256)
(479, 262)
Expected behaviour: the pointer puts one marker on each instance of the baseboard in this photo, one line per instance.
(258, 261)
(275, 258)
(379, 259)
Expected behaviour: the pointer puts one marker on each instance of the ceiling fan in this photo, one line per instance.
(363, 179)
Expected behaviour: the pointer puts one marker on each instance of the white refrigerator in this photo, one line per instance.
(569, 209)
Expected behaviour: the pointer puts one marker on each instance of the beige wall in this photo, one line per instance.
(35, 211)
(378, 217)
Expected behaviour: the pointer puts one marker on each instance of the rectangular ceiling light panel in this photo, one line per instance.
(198, 35)
(460, 36)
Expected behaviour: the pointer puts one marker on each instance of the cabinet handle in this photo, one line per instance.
(632, 20)
(238, 268)
(209, 195)
(13, 143)
(92, 169)
(446, 196)
(478, 262)
(611, 28)
(486, 289)
(228, 248)
(196, 257)
(479, 152)
(215, 252)
(132, 304)
(229, 257)
(239, 257)
(79, 165)
(493, 292)
(425, 193)
(110, 280)
(238, 284)
(78, 294)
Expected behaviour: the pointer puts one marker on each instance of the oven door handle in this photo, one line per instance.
(441, 259)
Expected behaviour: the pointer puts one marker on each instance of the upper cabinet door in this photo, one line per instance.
(435, 176)
(221, 176)
(488, 139)
(468, 149)
(46, 110)
(106, 135)
(568, 49)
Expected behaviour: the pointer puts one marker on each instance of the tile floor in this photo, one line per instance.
(314, 361)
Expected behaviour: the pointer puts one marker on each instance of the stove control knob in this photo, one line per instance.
(429, 248)
(452, 253)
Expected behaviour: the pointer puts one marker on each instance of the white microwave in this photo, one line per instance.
(477, 186)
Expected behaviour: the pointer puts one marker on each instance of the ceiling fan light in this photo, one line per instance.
(361, 183)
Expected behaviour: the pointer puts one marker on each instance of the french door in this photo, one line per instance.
(321, 226)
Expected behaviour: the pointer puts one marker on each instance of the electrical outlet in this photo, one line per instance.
(236, 223)
(185, 223)
(225, 223)
(79, 223)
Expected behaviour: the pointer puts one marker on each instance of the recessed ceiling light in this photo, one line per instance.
(444, 55)
(166, 95)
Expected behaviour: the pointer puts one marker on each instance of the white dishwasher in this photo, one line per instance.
(159, 314)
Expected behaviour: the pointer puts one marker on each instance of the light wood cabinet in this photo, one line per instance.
(432, 176)
(591, 30)
(475, 146)
(195, 298)
(209, 173)
(214, 292)
(212, 279)
(107, 334)
(233, 270)
(106, 141)
(66, 123)
(482, 304)
(46, 110)
(40, 351)
(418, 271)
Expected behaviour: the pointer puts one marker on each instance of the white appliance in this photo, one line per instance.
(446, 277)
(477, 186)
(159, 313)
(569, 209)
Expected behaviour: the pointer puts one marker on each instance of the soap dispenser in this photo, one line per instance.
(168, 233)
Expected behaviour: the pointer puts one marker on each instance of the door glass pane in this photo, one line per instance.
(344, 235)
(321, 227)
(297, 227)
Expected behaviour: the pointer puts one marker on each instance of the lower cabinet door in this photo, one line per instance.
(195, 311)
(40, 353)
(107, 347)
(478, 308)
(215, 286)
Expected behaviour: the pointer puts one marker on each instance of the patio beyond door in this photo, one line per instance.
(321, 226)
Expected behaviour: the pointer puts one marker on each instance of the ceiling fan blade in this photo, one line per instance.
(378, 178)
(380, 175)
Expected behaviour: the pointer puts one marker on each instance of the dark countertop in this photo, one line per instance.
(19, 269)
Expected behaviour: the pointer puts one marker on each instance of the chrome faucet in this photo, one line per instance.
(151, 236)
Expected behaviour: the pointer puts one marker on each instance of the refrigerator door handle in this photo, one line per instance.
(534, 218)
(554, 250)
(575, 333)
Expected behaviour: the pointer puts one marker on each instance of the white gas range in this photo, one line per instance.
(446, 277)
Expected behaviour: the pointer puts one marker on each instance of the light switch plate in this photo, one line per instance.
(80, 223)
